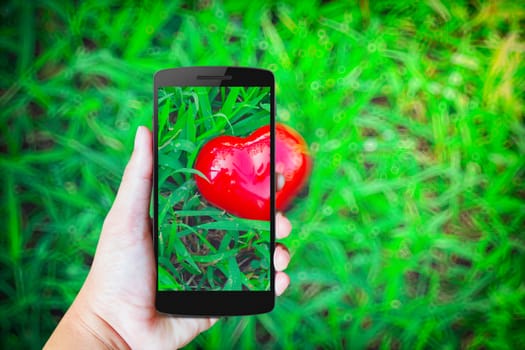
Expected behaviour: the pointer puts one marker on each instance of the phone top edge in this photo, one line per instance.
(188, 76)
(207, 68)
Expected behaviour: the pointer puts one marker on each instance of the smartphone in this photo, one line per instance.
(214, 190)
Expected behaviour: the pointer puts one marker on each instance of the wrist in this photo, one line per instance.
(81, 328)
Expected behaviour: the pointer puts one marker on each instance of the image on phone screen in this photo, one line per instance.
(207, 239)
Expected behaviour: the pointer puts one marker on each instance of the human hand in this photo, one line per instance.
(115, 307)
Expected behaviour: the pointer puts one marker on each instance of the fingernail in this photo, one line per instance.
(138, 137)
(280, 182)
(283, 226)
(281, 283)
(282, 258)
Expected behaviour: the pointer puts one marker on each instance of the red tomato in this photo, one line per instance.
(238, 170)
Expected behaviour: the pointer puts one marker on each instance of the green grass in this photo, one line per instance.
(410, 234)
(201, 247)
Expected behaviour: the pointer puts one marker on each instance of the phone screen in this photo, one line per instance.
(214, 189)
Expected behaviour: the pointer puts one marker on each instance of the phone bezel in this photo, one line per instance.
(214, 303)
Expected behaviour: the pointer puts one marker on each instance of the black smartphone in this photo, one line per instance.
(213, 190)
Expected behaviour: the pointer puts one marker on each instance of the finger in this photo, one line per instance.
(282, 281)
(281, 257)
(133, 198)
(282, 226)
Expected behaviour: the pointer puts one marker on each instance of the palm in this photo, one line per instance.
(126, 292)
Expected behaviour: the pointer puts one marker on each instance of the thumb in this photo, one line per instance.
(130, 211)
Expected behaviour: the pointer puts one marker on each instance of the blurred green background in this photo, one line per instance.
(411, 233)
